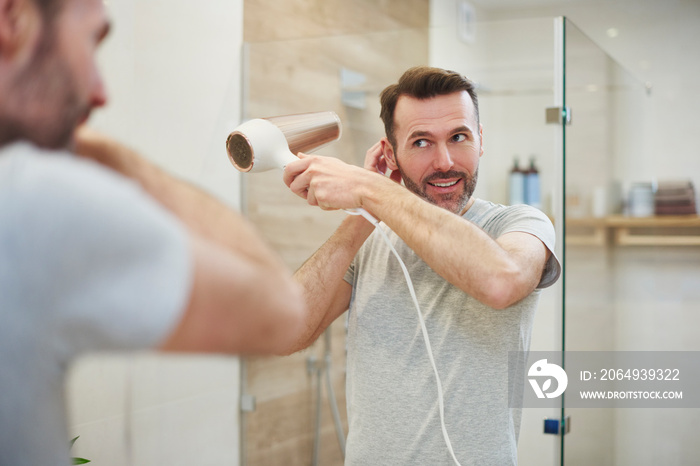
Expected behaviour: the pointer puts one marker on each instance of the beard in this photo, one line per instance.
(45, 106)
(454, 202)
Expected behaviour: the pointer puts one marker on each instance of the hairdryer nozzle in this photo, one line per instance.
(267, 143)
(240, 151)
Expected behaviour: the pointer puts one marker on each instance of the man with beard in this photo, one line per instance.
(115, 255)
(477, 268)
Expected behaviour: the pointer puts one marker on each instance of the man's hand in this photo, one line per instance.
(375, 161)
(332, 184)
(94, 145)
(327, 182)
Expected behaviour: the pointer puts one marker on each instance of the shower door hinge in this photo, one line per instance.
(247, 403)
(558, 115)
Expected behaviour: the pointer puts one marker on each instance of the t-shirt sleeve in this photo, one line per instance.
(103, 266)
(527, 219)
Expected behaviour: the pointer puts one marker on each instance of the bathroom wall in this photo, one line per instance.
(172, 69)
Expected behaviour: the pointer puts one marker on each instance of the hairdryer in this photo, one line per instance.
(267, 143)
(264, 144)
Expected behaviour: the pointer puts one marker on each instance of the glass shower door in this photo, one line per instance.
(629, 268)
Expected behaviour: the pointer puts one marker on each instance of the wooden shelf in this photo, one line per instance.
(586, 232)
(671, 230)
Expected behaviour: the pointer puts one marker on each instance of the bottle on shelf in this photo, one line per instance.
(532, 185)
(516, 184)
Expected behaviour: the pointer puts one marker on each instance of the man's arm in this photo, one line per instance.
(496, 272)
(243, 299)
(326, 293)
(236, 306)
(203, 215)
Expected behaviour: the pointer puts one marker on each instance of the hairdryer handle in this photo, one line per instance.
(364, 213)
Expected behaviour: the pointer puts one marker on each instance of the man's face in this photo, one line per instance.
(57, 89)
(438, 146)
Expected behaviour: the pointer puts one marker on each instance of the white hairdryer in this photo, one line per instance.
(264, 144)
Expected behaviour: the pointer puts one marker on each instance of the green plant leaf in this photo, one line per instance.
(77, 460)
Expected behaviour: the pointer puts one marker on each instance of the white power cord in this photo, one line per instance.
(411, 289)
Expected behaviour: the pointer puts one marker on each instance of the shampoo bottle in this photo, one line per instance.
(516, 184)
(532, 185)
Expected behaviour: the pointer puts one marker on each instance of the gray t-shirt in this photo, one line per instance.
(88, 262)
(391, 390)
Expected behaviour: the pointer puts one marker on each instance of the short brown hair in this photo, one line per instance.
(423, 82)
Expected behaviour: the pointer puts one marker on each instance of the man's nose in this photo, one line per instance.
(98, 94)
(443, 160)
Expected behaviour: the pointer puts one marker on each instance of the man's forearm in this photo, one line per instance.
(204, 215)
(453, 247)
(325, 291)
(496, 272)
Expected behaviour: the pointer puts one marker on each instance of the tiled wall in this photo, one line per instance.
(153, 409)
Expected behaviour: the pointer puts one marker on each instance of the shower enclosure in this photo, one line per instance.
(548, 96)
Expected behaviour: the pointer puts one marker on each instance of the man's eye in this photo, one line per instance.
(421, 143)
(459, 137)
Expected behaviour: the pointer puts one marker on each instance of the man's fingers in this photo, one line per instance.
(373, 157)
(294, 169)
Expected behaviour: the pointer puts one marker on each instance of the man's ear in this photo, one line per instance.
(19, 22)
(389, 154)
(481, 140)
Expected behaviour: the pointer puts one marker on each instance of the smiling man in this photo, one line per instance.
(477, 268)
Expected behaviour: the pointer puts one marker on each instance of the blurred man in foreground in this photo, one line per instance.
(104, 251)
